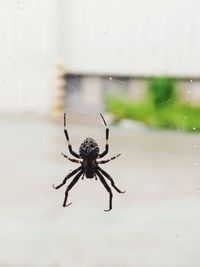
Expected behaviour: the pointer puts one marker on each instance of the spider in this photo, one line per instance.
(87, 157)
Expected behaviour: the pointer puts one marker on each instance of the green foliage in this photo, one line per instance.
(162, 91)
(160, 110)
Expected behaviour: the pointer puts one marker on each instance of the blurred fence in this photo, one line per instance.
(28, 55)
(118, 38)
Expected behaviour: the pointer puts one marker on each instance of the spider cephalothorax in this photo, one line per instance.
(87, 157)
(89, 149)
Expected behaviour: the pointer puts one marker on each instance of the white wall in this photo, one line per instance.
(28, 54)
(132, 37)
(123, 37)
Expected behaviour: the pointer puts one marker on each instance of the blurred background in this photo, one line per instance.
(135, 61)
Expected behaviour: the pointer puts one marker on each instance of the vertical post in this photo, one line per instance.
(58, 107)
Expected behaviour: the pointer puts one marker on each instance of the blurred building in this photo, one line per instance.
(93, 46)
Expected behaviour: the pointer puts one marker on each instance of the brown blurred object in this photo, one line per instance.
(59, 96)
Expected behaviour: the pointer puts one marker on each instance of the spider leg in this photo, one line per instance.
(73, 182)
(107, 188)
(68, 141)
(107, 135)
(73, 160)
(110, 179)
(105, 161)
(67, 177)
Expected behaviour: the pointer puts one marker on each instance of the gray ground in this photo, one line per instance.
(155, 224)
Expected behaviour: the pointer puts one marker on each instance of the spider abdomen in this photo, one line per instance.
(89, 149)
(87, 157)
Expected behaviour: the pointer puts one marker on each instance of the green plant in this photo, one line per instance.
(161, 91)
(159, 109)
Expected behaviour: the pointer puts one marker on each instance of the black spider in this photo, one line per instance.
(88, 153)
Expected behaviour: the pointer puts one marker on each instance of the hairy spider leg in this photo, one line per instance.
(68, 141)
(107, 136)
(107, 188)
(107, 160)
(110, 179)
(73, 160)
(67, 177)
(73, 182)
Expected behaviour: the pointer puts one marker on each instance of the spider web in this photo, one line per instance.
(88, 117)
(93, 119)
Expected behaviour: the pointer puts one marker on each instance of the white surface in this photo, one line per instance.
(156, 223)
(132, 37)
(122, 37)
(28, 52)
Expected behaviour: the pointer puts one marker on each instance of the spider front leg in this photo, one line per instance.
(67, 177)
(107, 188)
(68, 141)
(73, 182)
(110, 179)
(107, 136)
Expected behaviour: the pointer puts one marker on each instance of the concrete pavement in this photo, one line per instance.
(155, 224)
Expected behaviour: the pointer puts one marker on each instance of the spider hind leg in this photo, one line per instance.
(107, 137)
(68, 141)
